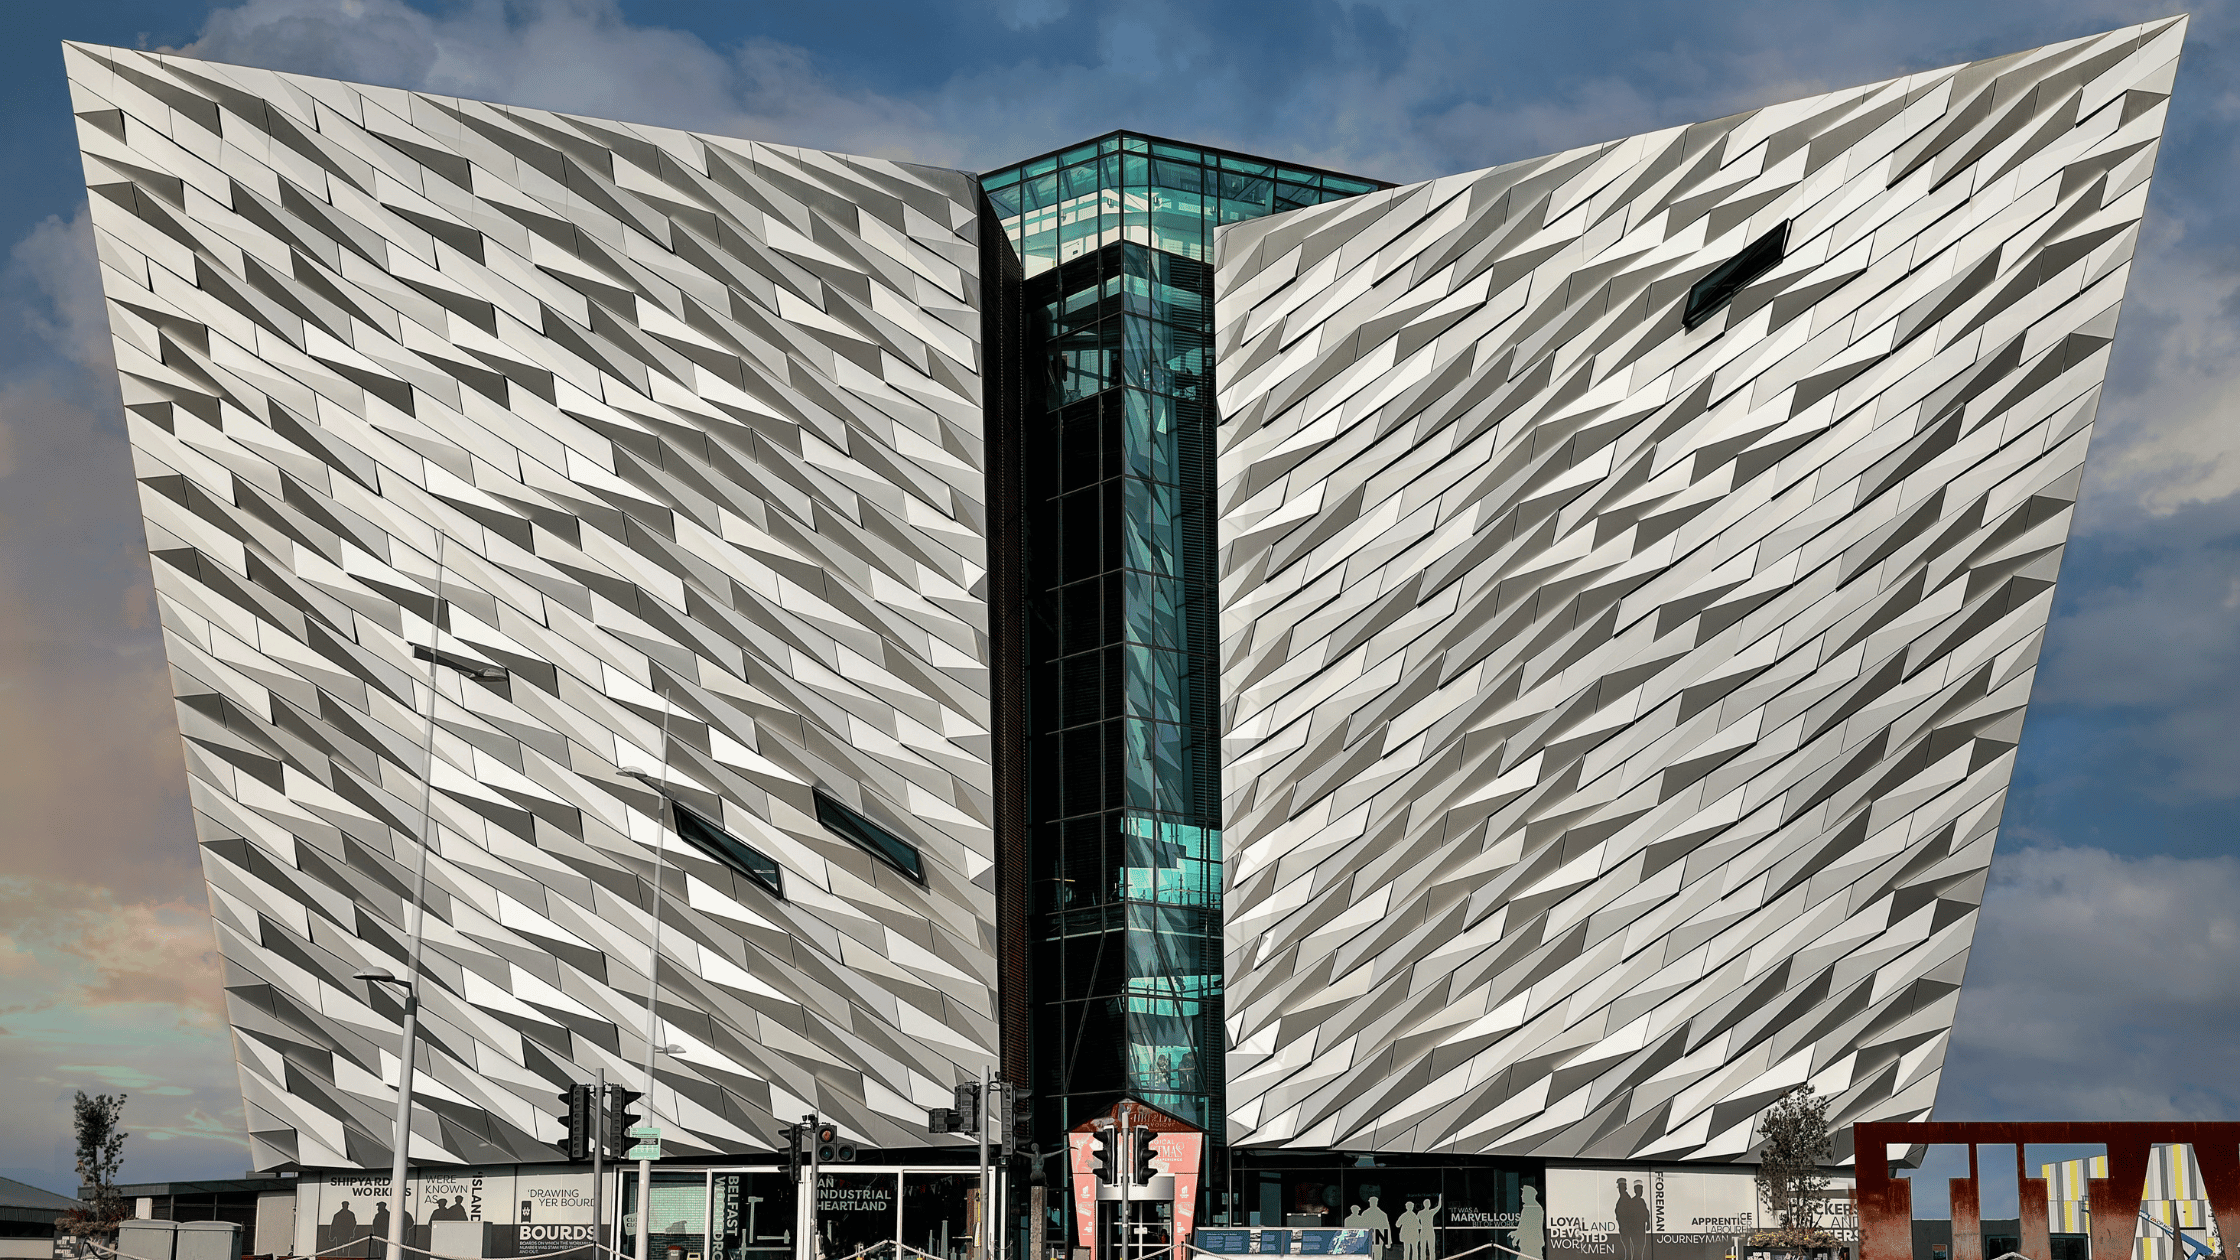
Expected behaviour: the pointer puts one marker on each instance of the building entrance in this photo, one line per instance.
(1134, 1183)
(1136, 1230)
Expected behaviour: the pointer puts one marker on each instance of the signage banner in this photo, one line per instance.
(1079, 1146)
(338, 1209)
(461, 1194)
(1180, 1156)
(1285, 1242)
(844, 1192)
(531, 1214)
(1648, 1214)
(551, 1211)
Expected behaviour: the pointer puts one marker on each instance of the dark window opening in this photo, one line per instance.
(730, 850)
(870, 837)
(1718, 288)
(471, 668)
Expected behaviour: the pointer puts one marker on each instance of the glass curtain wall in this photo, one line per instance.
(749, 1213)
(1476, 1203)
(1116, 238)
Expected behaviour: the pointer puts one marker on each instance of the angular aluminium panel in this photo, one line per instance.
(1619, 713)
(698, 424)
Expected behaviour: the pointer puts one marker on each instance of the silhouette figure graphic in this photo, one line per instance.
(1532, 1226)
(1415, 1229)
(1380, 1227)
(1631, 1213)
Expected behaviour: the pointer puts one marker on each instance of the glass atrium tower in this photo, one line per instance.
(1123, 927)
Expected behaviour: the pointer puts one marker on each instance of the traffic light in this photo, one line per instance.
(579, 1117)
(1103, 1160)
(1018, 1114)
(801, 1147)
(1139, 1159)
(968, 1107)
(619, 1119)
(941, 1119)
(832, 1148)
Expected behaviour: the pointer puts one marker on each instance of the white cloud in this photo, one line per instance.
(108, 993)
(2173, 438)
(56, 258)
(575, 56)
(2102, 987)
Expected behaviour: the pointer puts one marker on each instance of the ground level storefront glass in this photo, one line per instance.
(1416, 1208)
(752, 1214)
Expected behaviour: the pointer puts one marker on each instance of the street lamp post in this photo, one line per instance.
(1110, 1131)
(408, 1050)
(1127, 1171)
(653, 980)
(416, 913)
(598, 1159)
(981, 1244)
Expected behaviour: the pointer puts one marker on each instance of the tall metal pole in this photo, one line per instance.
(996, 1162)
(653, 978)
(1000, 1233)
(1126, 1159)
(808, 1242)
(599, 1113)
(402, 1140)
(987, 1200)
(1037, 1203)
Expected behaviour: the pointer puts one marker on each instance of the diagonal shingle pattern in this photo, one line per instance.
(1618, 714)
(698, 422)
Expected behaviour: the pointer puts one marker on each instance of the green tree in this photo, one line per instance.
(1790, 1181)
(98, 1121)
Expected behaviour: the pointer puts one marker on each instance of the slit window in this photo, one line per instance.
(870, 837)
(1718, 288)
(730, 850)
(466, 665)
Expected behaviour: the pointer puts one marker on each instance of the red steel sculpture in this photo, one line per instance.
(1886, 1202)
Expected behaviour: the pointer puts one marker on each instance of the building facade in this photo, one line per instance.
(1638, 560)
(1446, 690)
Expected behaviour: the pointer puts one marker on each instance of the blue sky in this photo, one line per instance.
(2106, 981)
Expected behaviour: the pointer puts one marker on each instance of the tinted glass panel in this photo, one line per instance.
(870, 837)
(1728, 279)
(754, 1216)
(729, 850)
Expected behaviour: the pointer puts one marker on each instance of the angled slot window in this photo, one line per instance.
(466, 665)
(1718, 288)
(870, 837)
(730, 850)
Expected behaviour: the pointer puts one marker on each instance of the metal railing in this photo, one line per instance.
(1220, 1255)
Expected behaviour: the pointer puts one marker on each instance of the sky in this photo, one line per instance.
(2106, 978)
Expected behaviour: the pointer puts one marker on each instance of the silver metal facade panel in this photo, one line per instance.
(698, 418)
(1618, 715)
